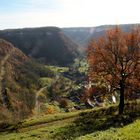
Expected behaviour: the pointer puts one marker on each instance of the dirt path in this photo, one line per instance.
(37, 103)
(48, 124)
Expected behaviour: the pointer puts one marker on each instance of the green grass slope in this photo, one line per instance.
(100, 123)
(129, 132)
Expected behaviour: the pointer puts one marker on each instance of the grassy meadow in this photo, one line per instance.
(92, 124)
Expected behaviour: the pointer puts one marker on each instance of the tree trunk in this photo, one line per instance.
(121, 104)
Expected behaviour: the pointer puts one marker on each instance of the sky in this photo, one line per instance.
(67, 13)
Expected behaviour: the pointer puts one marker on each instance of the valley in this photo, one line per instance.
(53, 86)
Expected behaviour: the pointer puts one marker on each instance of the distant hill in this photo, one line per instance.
(82, 35)
(56, 46)
(19, 77)
(48, 45)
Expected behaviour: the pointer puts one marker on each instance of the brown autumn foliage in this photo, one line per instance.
(63, 103)
(94, 92)
(116, 59)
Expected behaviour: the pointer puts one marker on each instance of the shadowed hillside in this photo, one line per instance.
(48, 44)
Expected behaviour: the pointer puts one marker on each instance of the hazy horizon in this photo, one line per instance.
(67, 13)
(28, 27)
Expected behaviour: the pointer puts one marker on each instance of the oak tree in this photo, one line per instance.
(115, 58)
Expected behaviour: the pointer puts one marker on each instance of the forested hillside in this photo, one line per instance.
(83, 35)
(48, 45)
(19, 76)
